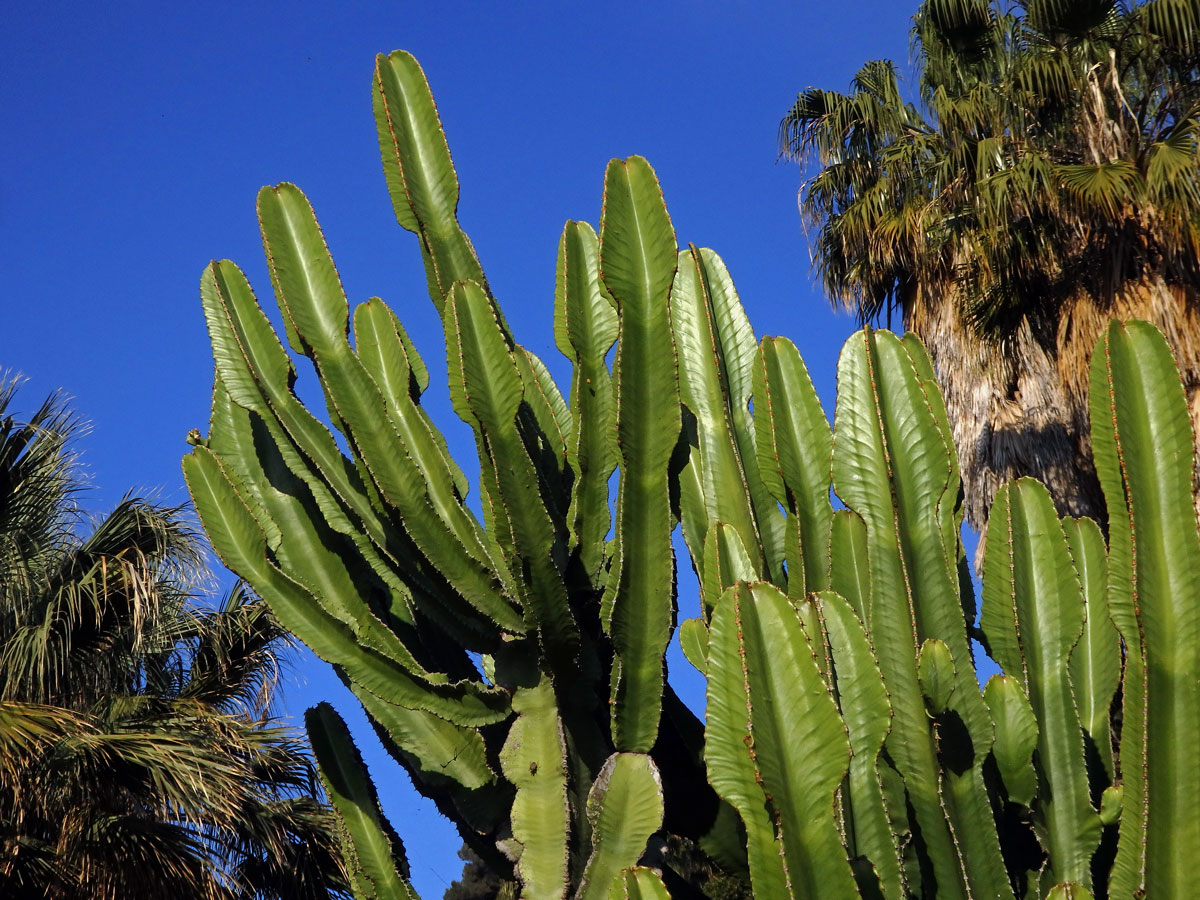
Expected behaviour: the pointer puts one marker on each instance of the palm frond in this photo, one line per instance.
(1109, 189)
(1173, 168)
(1174, 23)
(236, 661)
(1066, 19)
(137, 753)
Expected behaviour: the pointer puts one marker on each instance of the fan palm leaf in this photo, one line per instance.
(138, 753)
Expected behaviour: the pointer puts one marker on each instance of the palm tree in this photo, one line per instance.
(138, 756)
(1047, 181)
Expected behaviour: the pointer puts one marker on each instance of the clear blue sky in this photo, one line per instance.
(137, 134)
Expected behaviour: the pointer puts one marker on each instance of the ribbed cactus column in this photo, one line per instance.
(795, 447)
(777, 749)
(374, 855)
(514, 663)
(637, 263)
(716, 349)
(1144, 449)
(1096, 659)
(585, 328)
(1033, 616)
(894, 466)
(514, 666)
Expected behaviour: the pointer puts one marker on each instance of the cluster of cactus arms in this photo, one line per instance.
(513, 662)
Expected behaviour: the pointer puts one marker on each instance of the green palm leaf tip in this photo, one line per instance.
(373, 852)
(1144, 453)
(776, 748)
(637, 264)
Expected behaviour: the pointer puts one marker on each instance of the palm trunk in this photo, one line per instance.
(1020, 406)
